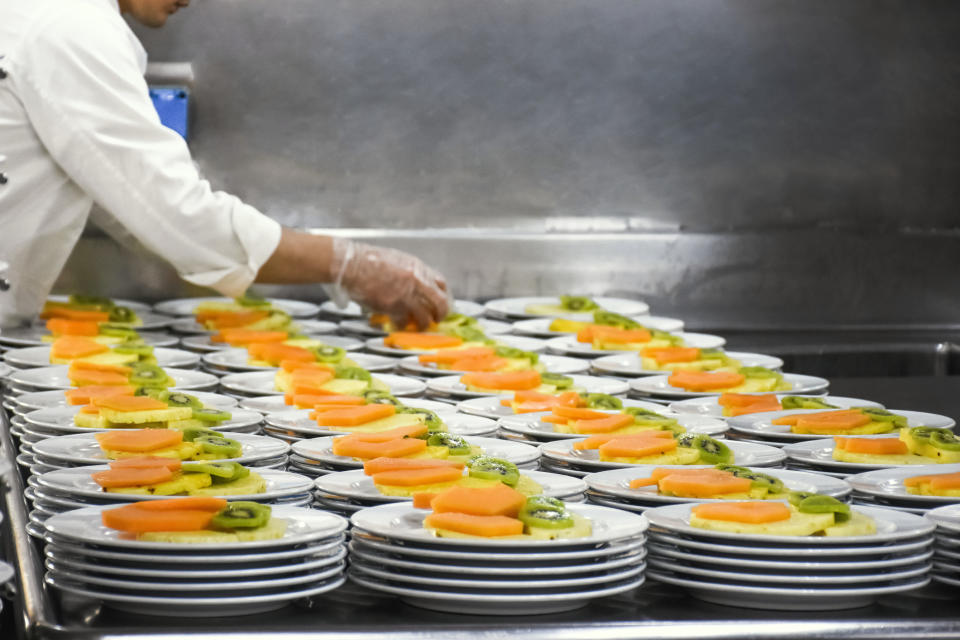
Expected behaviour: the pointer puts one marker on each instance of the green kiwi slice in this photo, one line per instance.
(469, 333)
(241, 515)
(329, 353)
(118, 331)
(804, 402)
(148, 375)
(490, 468)
(504, 351)
(945, 439)
(252, 301)
(152, 392)
(458, 320)
(825, 504)
(122, 314)
(757, 479)
(180, 399)
(545, 513)
(611, 319)
(601, 401)
(192, 433)
(882, 415)
(225, 471)
(796, 497)
(220, 446)
(559, 381)
(90, 302)
(430, 419)
(457, 445)
(137, 348)
(711, 451)
(578, 303)
(374, 396)
(758, 373)
(209, 415)
(345, 372)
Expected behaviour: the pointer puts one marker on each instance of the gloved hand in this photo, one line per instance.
(388, 281)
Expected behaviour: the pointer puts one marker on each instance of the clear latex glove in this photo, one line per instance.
(388, 281)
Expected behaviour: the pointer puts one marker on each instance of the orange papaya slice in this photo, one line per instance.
(413, 477)
(596, 440)
(578, 413)
(86, 395)
(422, 499)
(483, 526)
(381, 465)
(507, 380)
(241, 337)
(606, 424)
(739, 404)
(131, 476)
(499, 500)
(177, 514)
(72, 347)
(65, 327)
(421, 341)
(314, 400)
(491, 363)
(75, 314)
(129, 403)
(200, 503)
(669, 355)
(353, 416)
(876, 446)
(94, 366)
(276, 352)
(139, 440)
(93, 377)
(146, 462)
(937, 481)
(603, 333)
(702, 483)
(745, 512)
(295, 365)
(365, 450)
(409, 431)
(704, 380)
(635, 448)
(842, 420)
(448, 356)
(219, 319)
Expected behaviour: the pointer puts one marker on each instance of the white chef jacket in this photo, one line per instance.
(76, 127)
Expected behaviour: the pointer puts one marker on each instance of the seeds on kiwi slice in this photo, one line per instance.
(545, 513)
(825, 504)
(209, 415)
(882, 415)
(148, 375)
(611, 319)
(577, 303)
(180, 399)
(122, 315)
(945, 439)
(711, 451)
(757, 479)
(223, 470)
(329, 353)
(346, 372)
(220, 446)
(796, 497)
(559, 381)
(457, 445)
(490, 468)
(241, 515)
(151, 392)
(192, 433)
(429, 418)
(374, 396)
(601, 401)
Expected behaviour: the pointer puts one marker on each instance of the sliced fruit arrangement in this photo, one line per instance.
(187, 444)
(195, 520)
(296, 349)
(803, 515)
(738, 404)
(566, 304)
(450, 325)
(105, 333)
(414, 441)
(481, 358)
(534, 401)
(942, 445)
(743, 380)
(374, 417)
(136, 374)
(854, 421)
(936, 484)
(90, 309)
(158, 476)
(246, 312)
(601, 317)
(408, 476)
(591, 421)
(687, 358)
(67, 349)
(881, 451)
(657, 447)
(499, 512)
(120, 407)
(319, 378)
(721, 482)
(604, 337)
(527, 380)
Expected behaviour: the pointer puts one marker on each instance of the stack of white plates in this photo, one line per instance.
(885, 487)
(391, 552)
(315, 457)
(560, 456)
(612, 488)
(276, 404)
(817, 455)
(261, 383)
(73, 488)
(630, 365)
(23, 404)
(49, 378)
(32, 357)
(528, 426)
(45, 423)
(450, 386)
(708, 405)
(946, 545)
(88, 560)
(297, 425)
(350, 491)
(490, 407)
(34, 337)
(790, 572)
(659, 387)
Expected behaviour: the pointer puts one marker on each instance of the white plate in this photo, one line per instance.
(819, 453)
(630, 364)
(60, 419)
(235, 359)
(194, 559)
(203, 343)
(659, 387)
(779, 563)
(33, 337)
(55, 399)
(187, 306)
(320, 449)
(363, 328)
(193, 607)
(529, 424)
(191, 326)
(946, 517)
(616, 482)
(554, 364)
(761, 424)
(817, 554)
(353, 310)
(298, 420)
(401, 522)
(783, 598)
(540, 327)
(888, 483)
(891, 525)
(40, 357)
(120, 302)
(707, 405)
(744, 454)
(55, 377)
(569, 345)
(303, 526)
(356, 485)
(490, 407)
(497, 604)
(517, 342)
(77, 481)
(83, 449)
(261, 383)
(148, 322)
(516, 307)
(277, 404)
(451, 386)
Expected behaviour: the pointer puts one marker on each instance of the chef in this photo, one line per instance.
(77, 127)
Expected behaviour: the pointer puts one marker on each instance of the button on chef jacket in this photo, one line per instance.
(76, 127)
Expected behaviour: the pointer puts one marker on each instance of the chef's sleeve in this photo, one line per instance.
(89, 104)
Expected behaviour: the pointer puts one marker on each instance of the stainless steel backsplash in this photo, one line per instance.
(733, 162)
